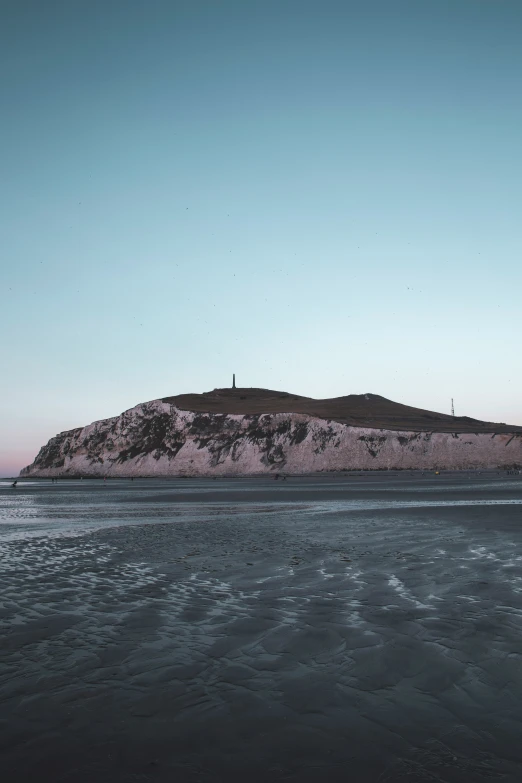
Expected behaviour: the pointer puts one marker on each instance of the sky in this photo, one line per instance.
(322, 197)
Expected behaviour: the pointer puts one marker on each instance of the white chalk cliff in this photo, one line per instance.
(159, 438)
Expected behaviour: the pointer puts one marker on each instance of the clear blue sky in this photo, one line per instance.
(322, 197)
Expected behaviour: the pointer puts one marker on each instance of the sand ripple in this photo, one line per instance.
(286, 647)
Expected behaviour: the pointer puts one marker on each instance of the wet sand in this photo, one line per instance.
(349, 628)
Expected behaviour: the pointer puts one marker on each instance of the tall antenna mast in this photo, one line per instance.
(452, 408)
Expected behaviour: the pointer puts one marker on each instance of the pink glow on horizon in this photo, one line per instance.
(11, 463)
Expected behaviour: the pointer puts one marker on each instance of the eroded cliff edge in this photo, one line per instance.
(159, 438)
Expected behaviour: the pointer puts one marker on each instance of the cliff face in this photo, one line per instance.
(159, 439)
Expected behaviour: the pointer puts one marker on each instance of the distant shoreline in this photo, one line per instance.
(272, 477)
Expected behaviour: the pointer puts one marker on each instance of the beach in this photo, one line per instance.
(354, 627)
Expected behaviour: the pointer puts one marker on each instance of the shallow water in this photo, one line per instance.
(356, 628)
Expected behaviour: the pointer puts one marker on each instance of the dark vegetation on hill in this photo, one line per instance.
(358, 410)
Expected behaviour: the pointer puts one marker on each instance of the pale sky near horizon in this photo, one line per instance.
(322, 197)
